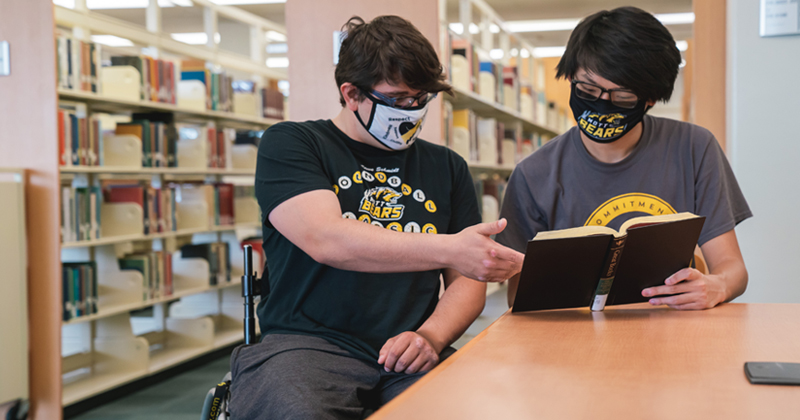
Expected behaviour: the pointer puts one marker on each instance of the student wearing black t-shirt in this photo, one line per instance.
(360, 220)
(619, 163)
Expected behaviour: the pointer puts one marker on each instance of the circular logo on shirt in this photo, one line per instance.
(419, 196)
(357, 177)
(429, 228)
(405, 189)
(377, 223)
(345, 183)
(394, 181)
(364, 218)
(349, 215)
(430, 206)
(367, 176)
(380, 176)
(397, 227)
(628, 203)
(412, 227)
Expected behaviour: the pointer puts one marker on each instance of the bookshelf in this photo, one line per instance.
(498, 114)
(138, 326)
(100, 103)
(464, 99)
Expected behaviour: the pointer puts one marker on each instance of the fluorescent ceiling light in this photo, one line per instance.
(275, 36)
(69, 4)
(240, 2)
(542, 25)
(130, 4)
(548, 51)
(277, 62)
(552, 25)
(194, 38)
(494, 29)
(514, 52)
(524, 53)
(682, 45)
(496, 54)
(676, 18)
(459, 28)
(277, 48)
(112, 41)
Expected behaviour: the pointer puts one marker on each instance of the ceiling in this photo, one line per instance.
(190, 19)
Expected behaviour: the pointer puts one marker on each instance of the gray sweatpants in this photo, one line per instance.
(303, 377)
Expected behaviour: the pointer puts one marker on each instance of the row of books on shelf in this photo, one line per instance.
(191, 83)
(81, 208)
(79, 289)
(82, 138)
(486, 140)
(509, 85)
(80, 279)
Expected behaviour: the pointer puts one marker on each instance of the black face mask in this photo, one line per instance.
(601, 120)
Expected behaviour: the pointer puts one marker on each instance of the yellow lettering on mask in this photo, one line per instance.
(583, 123)
(590, 129)
(609, 132)
(619, 130)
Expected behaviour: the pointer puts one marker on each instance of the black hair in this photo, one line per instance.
(389, 48)
(627, 46)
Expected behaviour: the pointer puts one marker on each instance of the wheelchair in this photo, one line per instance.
(215, 406)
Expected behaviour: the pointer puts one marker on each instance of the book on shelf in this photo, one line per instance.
(156, 270)
(79, 289)
(77, 64)
(158, 204)
(218, 256)
(272, 103)
(159, 141)
(490, 193)
(79, 136)
(464, 64)
(80, 213)
(597, 266)
(465, 140)
(218, 197)
(157, 76)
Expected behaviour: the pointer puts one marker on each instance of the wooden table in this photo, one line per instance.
(629, 362)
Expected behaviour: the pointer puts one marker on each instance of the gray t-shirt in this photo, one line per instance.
(675, 167)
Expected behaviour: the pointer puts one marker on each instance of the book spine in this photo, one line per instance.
(609, 272)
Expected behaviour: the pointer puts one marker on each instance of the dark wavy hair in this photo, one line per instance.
(627, 46)
(391, 49)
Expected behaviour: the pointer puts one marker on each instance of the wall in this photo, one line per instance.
(708, 90)
(28, 140)
(764, 147)
(310, 25)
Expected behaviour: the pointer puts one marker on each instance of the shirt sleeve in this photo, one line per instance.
(717, 194)
(463, 199)
(524, 217)
(289, 164)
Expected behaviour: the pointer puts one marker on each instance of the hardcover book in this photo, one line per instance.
(597, 266)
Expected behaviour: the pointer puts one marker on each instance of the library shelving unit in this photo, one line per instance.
(497, 115)
(133, 334)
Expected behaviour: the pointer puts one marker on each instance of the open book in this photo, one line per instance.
(596, 265)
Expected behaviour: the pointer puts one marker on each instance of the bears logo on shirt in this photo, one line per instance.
(381, 203)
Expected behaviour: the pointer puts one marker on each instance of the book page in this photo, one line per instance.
(651, 220)
(575, 232)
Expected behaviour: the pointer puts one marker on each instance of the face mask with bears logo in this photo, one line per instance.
(601, 120)
(394, 128)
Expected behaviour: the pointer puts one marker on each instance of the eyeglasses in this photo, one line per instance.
(620, 97)
(403, 102)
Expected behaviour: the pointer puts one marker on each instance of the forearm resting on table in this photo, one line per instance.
(462, 302)
(726, 264)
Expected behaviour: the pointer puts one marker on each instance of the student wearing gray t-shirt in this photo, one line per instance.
(619, 163)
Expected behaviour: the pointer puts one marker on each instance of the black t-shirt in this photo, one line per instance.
(425, 188)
